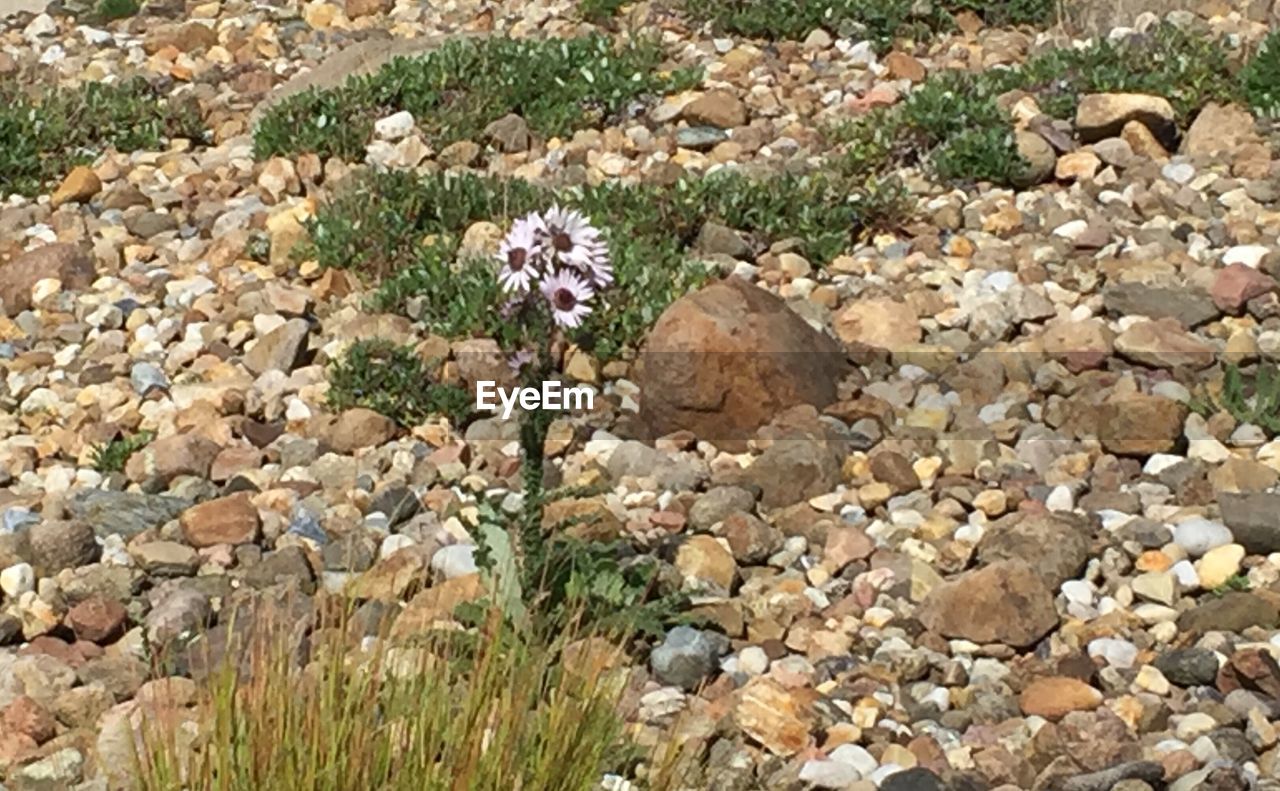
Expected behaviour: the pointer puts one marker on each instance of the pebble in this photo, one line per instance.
(1197, 536)
(1219, 564)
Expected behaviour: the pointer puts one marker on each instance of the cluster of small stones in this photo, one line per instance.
(1031, 566)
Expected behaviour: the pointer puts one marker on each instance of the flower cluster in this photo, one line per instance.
(559, 257)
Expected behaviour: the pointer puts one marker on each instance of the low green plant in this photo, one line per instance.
(600, 11)
(109, 10)
(393, 381)
(47, 134)
(1255, 400)
(1236, 582)
(1188, 67)
(1260, 78)
(455, 91)
(112, 456)
(554, 579)
(953, 123)
(881, 21)
(404, 230)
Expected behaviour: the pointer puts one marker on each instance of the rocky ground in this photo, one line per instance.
(1011, 542)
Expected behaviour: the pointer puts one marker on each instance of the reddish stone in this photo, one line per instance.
(98, 619)
(28, 718)
(15, 748)
(670, 521)
(725, 360)
(1236, 285)
(1252, 669)
(58, 649)
(226, 520)
(65, 262)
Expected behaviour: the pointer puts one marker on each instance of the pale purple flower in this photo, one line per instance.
(519, 360)
(509, 308)
(593, 261)
(567, 293)
(569, 236)
(519, 254)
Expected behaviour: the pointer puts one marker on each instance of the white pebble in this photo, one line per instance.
(1199, 535)
(855, 756)
(394, 126)
(1120, 654)
(1250, 255)
(17, 580)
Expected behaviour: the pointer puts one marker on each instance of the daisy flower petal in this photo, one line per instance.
(567, 292)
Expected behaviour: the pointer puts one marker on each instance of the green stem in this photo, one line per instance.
(533, 435)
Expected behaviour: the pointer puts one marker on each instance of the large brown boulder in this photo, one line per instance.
(723, 361)
(1006, 602)
(64, 262)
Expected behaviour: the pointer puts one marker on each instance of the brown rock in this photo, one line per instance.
(482, 359)
(1191, 307)
(510, 134)
(279, 350)
(27, 717)
(725, 360)
(750, 540)
(226, 520)
(437, 604)
(58, 545)
(845, 545)
(80, 185)
(1237, 475)
(1142, 142)
(1252, 669)
(795, 469)
(188, 37)
(1005, 602)
(1079, 345)
(893, 468)
(1077, 166)
(776, 717)
(1057, 547)
(1100, 115)
(1219, 128)
(459, 154)
(589, 518)
(98, 620)
(1136, 425)
(1236, 284)
(902, 66)
(704, 562)
(880, 323)
(65, 262)
(394, 577)
(1057, 696)
(358, 8)
(1041, 161)
(1231, 612)
(716, 108)
(172, 456)
(1164, 344)
(353, 430)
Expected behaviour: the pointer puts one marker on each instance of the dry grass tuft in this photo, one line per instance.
(454, 709)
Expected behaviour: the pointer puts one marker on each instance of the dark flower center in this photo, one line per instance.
(561, 241)
(563, 299)
(516, 258)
